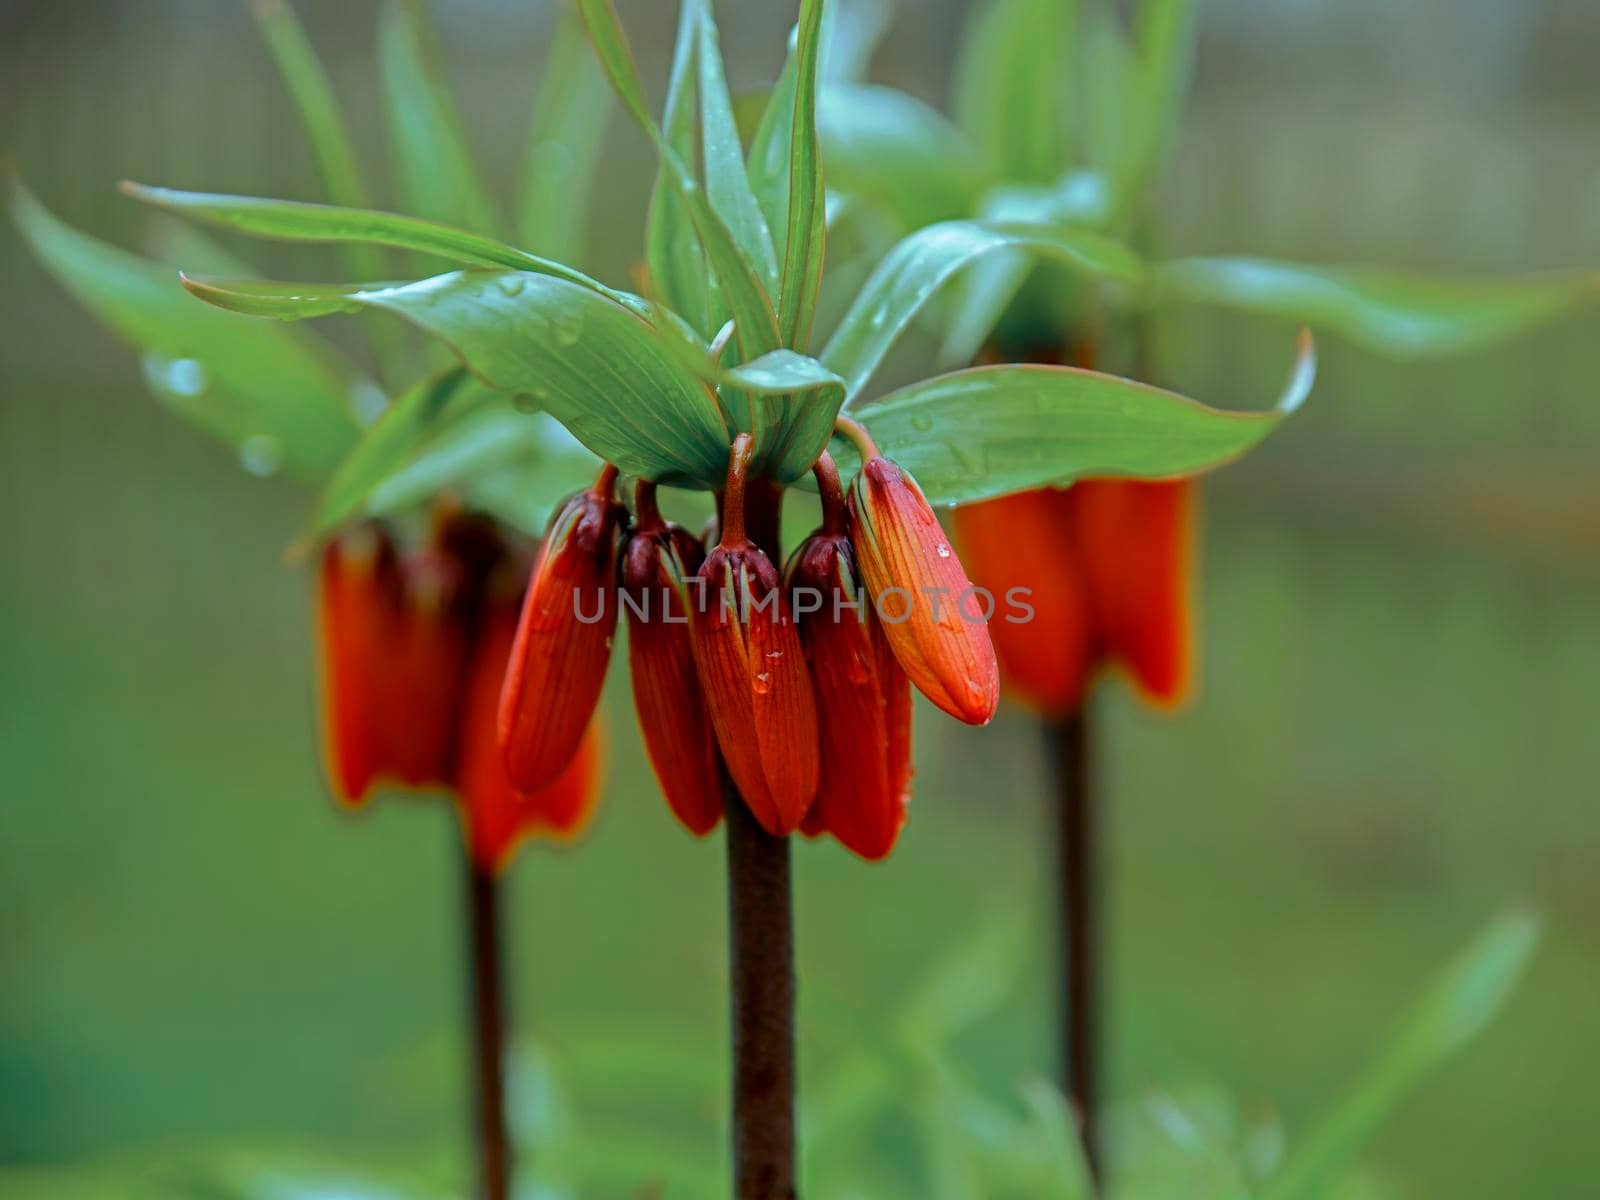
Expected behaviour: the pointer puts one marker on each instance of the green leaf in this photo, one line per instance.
(769, 161)
(1455, 1011)
(515, 466)
(793, 401)
(679, 272)
(755, 322)
(804, 242)
(921, 264)
(383, 447)
(851, 31)
(727, 182)
(986, 291)
(437, 174)
(969, 982)
(1158, 82)
(313, 96)
(565, 137)
(295, 221)
(890, 150)
(990, 431)
(275, 395)
(593, 364)
(1390, 312)
(1011, 94)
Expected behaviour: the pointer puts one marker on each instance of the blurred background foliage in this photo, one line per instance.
(1394, 736)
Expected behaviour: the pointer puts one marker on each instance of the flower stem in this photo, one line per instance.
(1070, 746)
(761, 985)
(487, 996)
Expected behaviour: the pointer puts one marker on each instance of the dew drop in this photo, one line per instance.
(261, 455)
(511, 285)
(922, 422)
(943, 550)
(763, 683)
(185, 377)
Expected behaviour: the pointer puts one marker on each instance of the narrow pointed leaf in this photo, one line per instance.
(807, 215)
(756, 324)
(312, 94)
(385, 446)
(593, 364)
(437, 174)
(921, 264)
(1388, 311)
(727, 182)
(1158, 83)
(990, 431)
(679, 272)
(769, 152)
(851, 31)
(890, 150)
(1011, 85)
(566, 135)
(271, 393)
(295, 221)
(1455, 1011)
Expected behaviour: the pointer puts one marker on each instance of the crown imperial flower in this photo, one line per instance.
(934, 619)
(658, 560)
(752, 669)
(563, 643)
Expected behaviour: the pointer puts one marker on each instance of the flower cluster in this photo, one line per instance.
(805, 707)
(415, 643)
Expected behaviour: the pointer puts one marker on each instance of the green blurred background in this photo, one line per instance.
(1395, 735)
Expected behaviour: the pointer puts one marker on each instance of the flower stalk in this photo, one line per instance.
(486, 995)
(761, 1006)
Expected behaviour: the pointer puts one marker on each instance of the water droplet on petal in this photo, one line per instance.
(943, 550)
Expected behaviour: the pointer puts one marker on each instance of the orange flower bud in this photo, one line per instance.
(933, 617)
(863, 701)
(496, 816)
(752, 670)
(393, 648)
(1135, 540)
(563, 643)
(666, 694)
(1020, 548)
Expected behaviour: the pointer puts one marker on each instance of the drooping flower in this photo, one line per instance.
(415, 648)
(935, 620)
(863, 696)
(657, 562)
(752, 669)
(563, 643)
(1103, 569)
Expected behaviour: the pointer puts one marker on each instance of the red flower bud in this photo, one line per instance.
(393, 650)
(863, 701)
(495, 815)
(666, 693)
(752, 669)
(934, 619)
(563, 643)
(1020, 548)
(1135, 541)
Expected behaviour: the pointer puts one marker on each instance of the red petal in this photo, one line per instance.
(563, 643)
(353, 586)
(1136, 541)
(666, 693)
(1022, 547)
(497, 816)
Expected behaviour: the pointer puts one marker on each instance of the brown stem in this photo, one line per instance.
(761, 985)
(857, 434)
(489, 1030)
(732, 500)
(646, 512)
(1076, 835)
